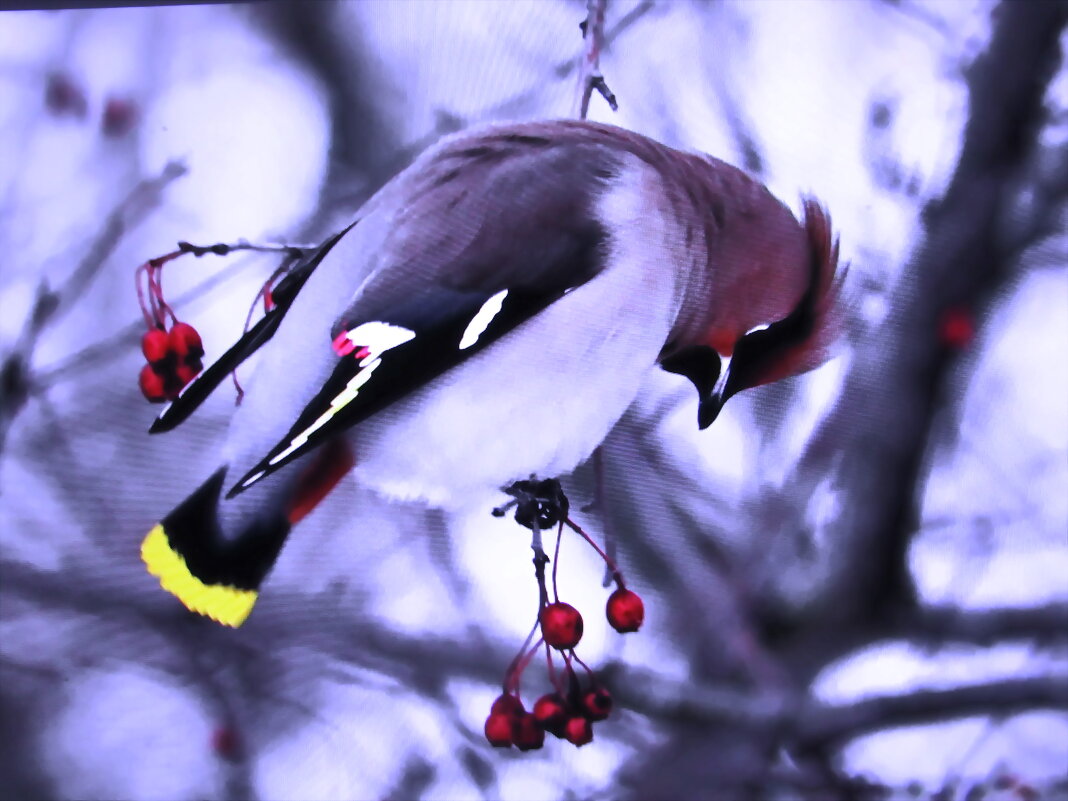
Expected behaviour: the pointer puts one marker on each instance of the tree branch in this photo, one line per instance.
(812, 725)
(938, 625)
(898, 372)
(832, 726)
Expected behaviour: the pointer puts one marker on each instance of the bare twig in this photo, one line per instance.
(915, 11)
(16, 372)
(223, 249)
(137, 205)
(514, 106)
(590, 77)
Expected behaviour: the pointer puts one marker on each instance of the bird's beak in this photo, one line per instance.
(709, 407)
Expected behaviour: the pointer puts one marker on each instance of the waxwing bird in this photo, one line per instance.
(489, 316)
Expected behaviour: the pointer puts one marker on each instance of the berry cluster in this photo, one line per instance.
(575, 702)
(174, 349)
(174, 359)
(174, 354)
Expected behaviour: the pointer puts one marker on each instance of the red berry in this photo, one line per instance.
(527, 734)
(185, 341)
(578, 731)
(625, 610)
(151, 384)
(561, 625)
(499, 730)
(956, 328)
(119, 117)
(154, 344)
(550, 711)
(597, 703)
(225, 743)
(184, 373)
(63, 96)
(507, 704)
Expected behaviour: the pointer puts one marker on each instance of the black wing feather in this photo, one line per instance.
(394, 374)
(198, 390)
(500, 216)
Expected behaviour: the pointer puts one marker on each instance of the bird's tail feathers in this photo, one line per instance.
(219, 577)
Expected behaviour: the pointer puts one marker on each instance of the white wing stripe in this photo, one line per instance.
(483, 317)
(343, 399)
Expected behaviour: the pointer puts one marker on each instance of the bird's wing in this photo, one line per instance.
(198, 390)
(490, 232)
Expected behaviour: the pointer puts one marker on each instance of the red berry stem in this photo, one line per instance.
(556, 559)
(268, 304)
(607, 532)
(553, 675)
(155, 307)
(149, 321)
(240, 390)
(156, 275)
(589, 672)
(572, 679)
(540, 560)
(607, 560)
(524, 663)
(511, 675)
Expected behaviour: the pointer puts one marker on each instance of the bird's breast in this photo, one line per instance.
(541, 399)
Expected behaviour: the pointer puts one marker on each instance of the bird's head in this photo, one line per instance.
(775, 315)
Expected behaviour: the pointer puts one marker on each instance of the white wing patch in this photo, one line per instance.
(483, 317)
(376, 338)
(340, 401)
(370, 341)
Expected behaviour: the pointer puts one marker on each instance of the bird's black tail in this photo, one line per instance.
(193, 561)
(220, 577)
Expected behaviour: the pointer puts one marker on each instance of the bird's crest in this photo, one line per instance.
(829, 279)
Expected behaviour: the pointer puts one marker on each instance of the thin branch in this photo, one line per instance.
(914, 11)
(590, 77)
(16, 374)
(512, 107)
(134, 208)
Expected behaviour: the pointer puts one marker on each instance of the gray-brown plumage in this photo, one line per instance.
(498, 305)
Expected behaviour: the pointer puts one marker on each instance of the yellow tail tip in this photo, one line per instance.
(223, 604)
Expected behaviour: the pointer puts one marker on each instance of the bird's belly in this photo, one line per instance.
(538, 401)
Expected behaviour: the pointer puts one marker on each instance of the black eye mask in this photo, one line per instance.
(754, 354)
